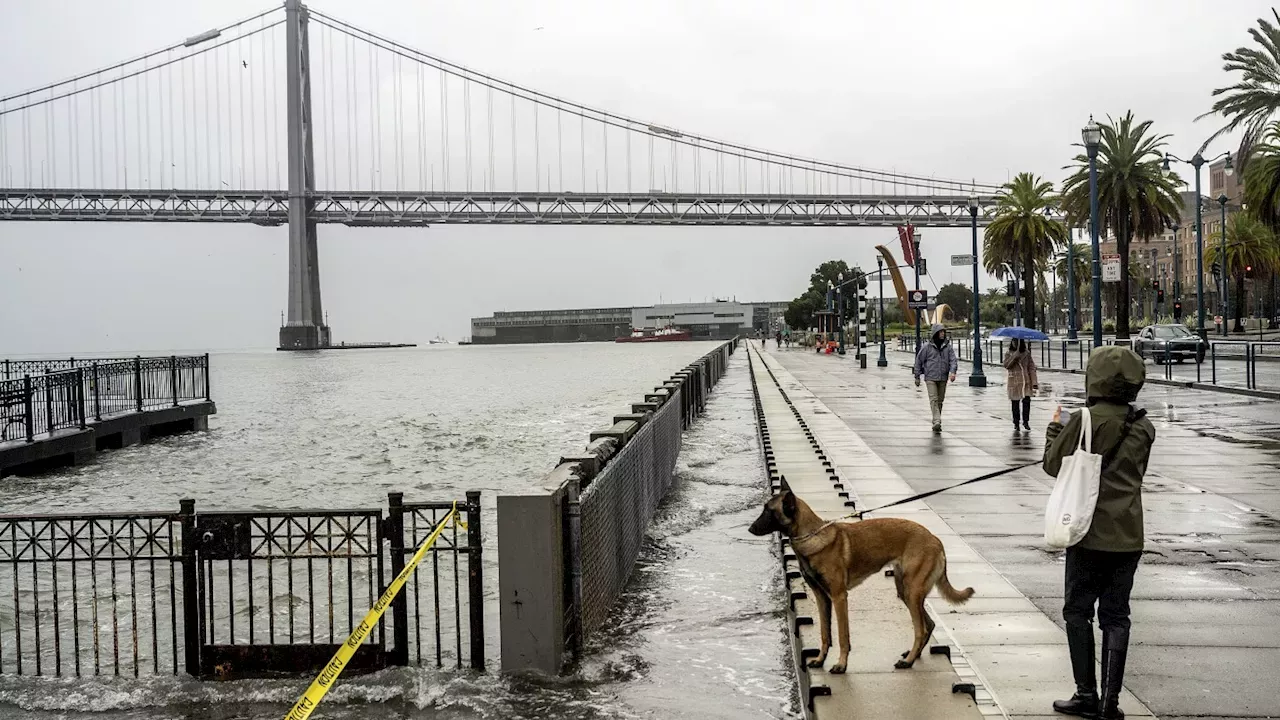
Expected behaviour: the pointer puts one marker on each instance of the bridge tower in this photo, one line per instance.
(304, 328)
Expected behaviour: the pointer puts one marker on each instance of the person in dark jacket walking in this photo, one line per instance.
(1100, 568)
(1021, 381)
(936, 363)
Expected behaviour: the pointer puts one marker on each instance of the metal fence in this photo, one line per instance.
(225, 594)
(52, 395)
(616, 508)
(1247, 364)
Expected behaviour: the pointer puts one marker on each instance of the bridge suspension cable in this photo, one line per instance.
(208, 116)
(656, 131)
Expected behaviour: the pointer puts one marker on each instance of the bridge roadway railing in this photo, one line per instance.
(566, 549)
(236, 594)
(41, 397)
(388, 208)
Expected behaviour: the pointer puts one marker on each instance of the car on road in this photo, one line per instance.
(1175, 342)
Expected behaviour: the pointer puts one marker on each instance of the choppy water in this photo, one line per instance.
(698, 634)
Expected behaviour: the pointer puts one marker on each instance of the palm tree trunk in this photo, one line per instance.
(1029, 282)
(1122, 299)
(1271, 299)
(1239, 308)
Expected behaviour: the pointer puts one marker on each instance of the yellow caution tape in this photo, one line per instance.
(329, 675)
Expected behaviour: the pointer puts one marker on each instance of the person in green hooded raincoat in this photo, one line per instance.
(1101, 567)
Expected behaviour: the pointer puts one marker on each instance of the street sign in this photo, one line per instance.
(961, 260)
(1110, 268)
(918, 299)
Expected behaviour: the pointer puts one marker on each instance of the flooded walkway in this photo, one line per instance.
(1206, 602)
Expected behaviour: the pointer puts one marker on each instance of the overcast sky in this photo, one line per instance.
(957, 90)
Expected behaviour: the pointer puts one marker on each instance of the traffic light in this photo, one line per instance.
(1155, 284)
(1177, 310)
(1248, 271)
(924, 268)
(1010, 289)
(1159, 295)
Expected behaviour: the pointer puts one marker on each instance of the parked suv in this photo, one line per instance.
(1175, 342)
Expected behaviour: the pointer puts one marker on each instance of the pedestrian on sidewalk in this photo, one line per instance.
(1021, 381)
(936, 363)
(1100, 568)
(777, 336)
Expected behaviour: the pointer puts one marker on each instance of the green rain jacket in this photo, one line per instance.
(1112, 381)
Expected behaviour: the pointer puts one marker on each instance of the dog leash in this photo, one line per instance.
(858, 515)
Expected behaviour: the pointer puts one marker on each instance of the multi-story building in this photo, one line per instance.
(718, 320)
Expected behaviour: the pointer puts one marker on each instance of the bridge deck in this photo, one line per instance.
(879, 625)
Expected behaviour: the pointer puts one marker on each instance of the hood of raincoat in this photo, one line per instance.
(934, 330)
(1114, 374)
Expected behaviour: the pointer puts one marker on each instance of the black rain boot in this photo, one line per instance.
(1085, 701)
(1115, 646)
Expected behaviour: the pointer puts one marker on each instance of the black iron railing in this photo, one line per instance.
(53, 395)
(228, 594)
(1225, 363)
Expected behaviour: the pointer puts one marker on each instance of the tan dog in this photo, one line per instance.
(835, 557)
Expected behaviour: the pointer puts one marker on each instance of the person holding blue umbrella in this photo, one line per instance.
(1021, 381)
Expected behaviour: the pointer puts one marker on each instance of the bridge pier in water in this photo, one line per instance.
(305, 328)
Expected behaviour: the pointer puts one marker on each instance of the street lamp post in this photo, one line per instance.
(1224, 303)
(976, 376)
(1197, 161)
(840, 305)
(1092, 135)
(915, 247)
(883, 361)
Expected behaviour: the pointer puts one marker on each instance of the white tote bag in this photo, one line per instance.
(1069, 513)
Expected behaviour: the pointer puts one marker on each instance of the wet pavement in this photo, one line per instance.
(1206, 602)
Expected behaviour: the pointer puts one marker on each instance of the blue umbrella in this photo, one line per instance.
(1019, 333)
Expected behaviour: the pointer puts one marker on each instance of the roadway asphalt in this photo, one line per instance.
(1206, 607)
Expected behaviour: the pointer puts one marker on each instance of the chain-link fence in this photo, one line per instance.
(616, 508)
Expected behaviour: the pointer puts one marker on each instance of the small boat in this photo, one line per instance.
(667, 334)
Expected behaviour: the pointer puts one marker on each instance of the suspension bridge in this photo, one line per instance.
(294, 117)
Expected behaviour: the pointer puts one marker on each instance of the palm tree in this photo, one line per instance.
(1021, 235)
(1080, 254)
(1250, 245)
(1255, 98)
(1136, 198)
(1262, 193)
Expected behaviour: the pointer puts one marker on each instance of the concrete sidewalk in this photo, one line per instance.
(1207, 597)
(879, 624)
